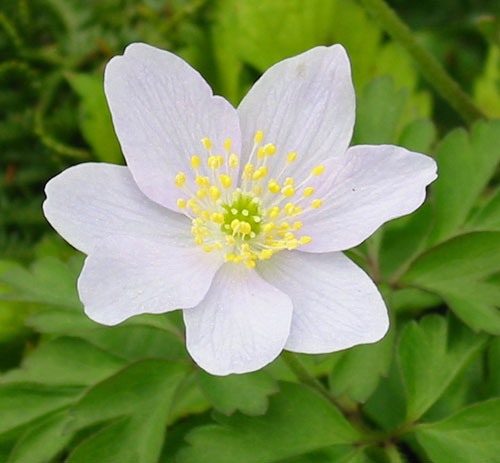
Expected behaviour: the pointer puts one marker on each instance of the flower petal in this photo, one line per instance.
(362, 190)
(240, 326)
(90, 202)
(335, 304)
(126, 276)
(161, 110)
(304, 104)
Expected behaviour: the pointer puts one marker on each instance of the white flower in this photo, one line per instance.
(236, 216)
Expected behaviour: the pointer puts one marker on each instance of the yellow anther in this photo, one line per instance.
(235, 224)
(259, 135)
(289, 236)
(180, 179)
(202, 193)
(273, 187)
(261, 172)
(308, 191)
(230, 240)
(214, 193)
(195, 162)
(289, 181)
(261, 152)
(305, 240)
(270, 149)
(284, 226)
(229, 257)
(297, 225)
(292, 244)
(250, 263)
(291, 157)
(274, 212)
(288, 191)
(227, 144)
(207, 143)
(233, 161)
(181, 204)
(297, 210)
(202, 181)
(217, 217)
(218, 245)
(247, 171)
(265, 254)
(316, 203)
(207, 248)
(269, 226)
(244, 227)
(225, 180)
(198, 222)
(205, 215)
(192, 204)
(213, 162)
(237, 259)
(289, 208)
(318, 170)
(198, 239)
(245, 247)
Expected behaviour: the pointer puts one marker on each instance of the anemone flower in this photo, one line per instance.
(237, 216)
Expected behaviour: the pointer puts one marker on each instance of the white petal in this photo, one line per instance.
(89, 202)
(335, 304)
(240, 326)
(304, 104)
(362, 190)
(161, 110)
(126, 276)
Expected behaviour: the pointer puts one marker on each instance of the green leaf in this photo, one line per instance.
(298, 421)
(41, 443)
(95, 118)
(458, 270)
(466, 164)
(488, 217)
(378, 112)
(247, 393)
(357, 372)
(493, 368)
(22, 403)
(138, 400)
(470, 435)
(334, 454)
(418, 135)
(486, 92)
(432, 354)
(65, 361)
(49, 281)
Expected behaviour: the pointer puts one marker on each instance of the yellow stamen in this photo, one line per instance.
(291, 157)
(273, 187)
(217, 217)
(318, 170)
(288, 191)
(308, 191)
(305, 239)
(181, 204)
(225, 180)
(316, 203)
(227, 144)
(233, 160)
(214, 193)
(207, 143)
(259, 135)
(180, 179)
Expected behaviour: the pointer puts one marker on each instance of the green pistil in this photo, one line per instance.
(245, 209)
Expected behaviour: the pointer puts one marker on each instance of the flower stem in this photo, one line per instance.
(393, 455)
(305, 377)
(431, 69)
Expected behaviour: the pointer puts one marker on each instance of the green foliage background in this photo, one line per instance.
(78, 392)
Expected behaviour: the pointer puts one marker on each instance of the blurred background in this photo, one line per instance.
(53, 112)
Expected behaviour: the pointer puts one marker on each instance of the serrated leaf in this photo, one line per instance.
(41, 443)
(457, 270)
(247, 393)
(357, 372)
(136, 402)
(488, 217)
(65, 361)
(95, 118)
(378, 112)
(466, 164)
(432, 354)
(22, 403)
(48, 281)
(298, 421)
(470, 435)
